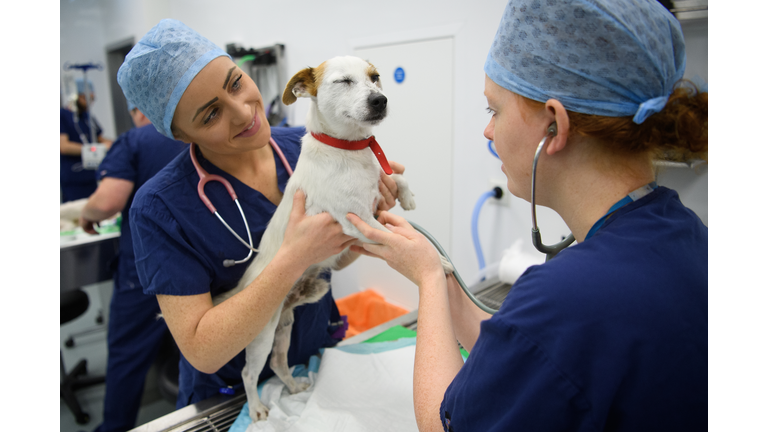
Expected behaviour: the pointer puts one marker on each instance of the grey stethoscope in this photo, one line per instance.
(553, 250)
(550, 251)
(205, 178)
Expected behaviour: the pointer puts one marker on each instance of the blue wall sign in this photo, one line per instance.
(399, 75)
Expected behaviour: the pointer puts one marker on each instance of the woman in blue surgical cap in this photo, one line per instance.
(610, 334)
(191, 90)
(75, 181)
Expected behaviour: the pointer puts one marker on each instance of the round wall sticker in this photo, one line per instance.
(399, 75)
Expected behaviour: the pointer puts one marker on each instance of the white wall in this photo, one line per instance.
(82, 41)
(313, 31)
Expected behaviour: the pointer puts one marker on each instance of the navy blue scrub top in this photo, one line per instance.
(75, 181)
(136, 156)
(180, 247)
(610, 335)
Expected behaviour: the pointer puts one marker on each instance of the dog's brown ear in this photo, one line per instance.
(301, 85)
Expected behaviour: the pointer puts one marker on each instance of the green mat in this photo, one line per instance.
(107, 227)
(399, 332)
(391, 334)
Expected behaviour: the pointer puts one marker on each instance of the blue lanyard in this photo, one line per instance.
(633, 196)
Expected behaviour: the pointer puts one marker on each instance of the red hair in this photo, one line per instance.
(678, 132)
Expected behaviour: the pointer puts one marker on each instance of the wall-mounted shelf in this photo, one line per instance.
(266, 66)
(692, 164)
(686, 10)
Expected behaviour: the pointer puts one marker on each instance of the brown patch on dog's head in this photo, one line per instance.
(303, 84)
(373, 74)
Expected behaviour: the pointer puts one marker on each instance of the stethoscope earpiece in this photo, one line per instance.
(551, 251)
(552, 129)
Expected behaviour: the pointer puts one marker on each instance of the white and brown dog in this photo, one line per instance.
(338, 170)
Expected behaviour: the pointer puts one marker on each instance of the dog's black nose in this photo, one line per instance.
(377, 102)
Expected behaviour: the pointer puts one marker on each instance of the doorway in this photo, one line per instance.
(115, 56)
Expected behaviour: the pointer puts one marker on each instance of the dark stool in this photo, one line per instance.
(168, 368)
(73, 304)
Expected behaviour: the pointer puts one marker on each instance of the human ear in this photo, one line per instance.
(559, 115)
(179, 135)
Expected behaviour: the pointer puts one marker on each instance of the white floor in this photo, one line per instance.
(93, 347)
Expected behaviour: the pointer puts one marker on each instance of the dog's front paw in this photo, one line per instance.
(404, 194)
(257, 411)
(406, 201)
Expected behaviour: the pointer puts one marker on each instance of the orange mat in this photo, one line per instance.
(365, 310)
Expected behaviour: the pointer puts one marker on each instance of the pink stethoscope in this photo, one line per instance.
(205, 178)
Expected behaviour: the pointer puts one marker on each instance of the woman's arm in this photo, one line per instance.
(110, 197)
(210, 336)
(437, 354)
(105, 141)
(465, 315)
(69, 148)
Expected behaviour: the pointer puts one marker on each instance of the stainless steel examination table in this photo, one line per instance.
(219, 412)
(86, 259)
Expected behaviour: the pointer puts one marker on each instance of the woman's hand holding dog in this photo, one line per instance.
(311, 239)
(404, 249)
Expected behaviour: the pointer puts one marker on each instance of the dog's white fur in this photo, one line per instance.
(335, 181)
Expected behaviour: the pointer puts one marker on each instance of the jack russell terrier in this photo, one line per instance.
(338, 170)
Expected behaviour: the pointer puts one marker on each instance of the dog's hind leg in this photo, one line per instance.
(256, 354)
(308, 289)
(279, 360)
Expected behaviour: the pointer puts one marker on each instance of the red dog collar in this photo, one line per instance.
(357, 145)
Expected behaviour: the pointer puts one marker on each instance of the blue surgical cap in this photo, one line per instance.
(160, 67)
(80, 84)
(611, 58)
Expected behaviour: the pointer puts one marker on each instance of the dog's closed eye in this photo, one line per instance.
(345, 80)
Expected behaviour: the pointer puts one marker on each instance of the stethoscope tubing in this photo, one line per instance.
(552, 250)
(205, 177)
(455, 273)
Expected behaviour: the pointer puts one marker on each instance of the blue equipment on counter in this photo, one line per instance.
(496, 193)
